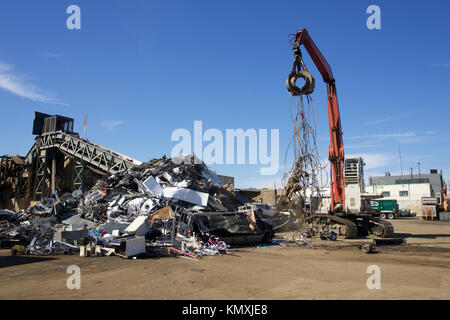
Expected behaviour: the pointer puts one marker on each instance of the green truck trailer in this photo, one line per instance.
(385, 208)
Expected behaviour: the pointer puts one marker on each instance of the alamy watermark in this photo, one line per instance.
(374, 281)
(222, 151)
(374, 20)
(74, 20)
(74, 280)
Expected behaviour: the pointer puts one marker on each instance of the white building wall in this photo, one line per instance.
(412, 201)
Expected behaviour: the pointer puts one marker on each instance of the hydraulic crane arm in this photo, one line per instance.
(302, 38)
(336, 148)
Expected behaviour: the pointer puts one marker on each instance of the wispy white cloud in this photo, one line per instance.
(416, 138)
(384, 120)
(22, 87)
(111, 124)
(439, 64)
(365, 144)
(51, 55)
(375, 160)
(384, 136)
(419, 157)
(411, 139)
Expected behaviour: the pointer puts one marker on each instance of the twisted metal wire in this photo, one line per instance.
(307, 169)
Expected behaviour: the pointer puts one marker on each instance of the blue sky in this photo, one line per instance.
(141, 69)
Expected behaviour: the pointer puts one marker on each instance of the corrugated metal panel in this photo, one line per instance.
(429, 213)
(444, 216)
(39, 122)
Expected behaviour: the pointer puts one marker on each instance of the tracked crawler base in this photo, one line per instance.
(351, 226)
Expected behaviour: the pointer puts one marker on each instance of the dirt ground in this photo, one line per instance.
(333, 270)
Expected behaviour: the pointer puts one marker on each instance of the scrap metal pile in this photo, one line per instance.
(134, 212)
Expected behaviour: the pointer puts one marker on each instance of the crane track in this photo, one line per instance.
(351, 230)
(388, 228)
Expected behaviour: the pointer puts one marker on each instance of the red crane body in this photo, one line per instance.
(336, 148)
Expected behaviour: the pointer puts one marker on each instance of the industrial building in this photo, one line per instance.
(408, 190)
(434, 179)
(408, 196)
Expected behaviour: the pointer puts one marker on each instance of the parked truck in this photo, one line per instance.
(385, 208)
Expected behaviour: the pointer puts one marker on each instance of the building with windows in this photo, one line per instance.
(408, 195)
(433, 178)
(408, 190)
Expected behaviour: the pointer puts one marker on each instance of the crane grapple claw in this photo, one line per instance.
(307, 88)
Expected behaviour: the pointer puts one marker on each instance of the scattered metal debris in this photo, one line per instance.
(368, 248)
(328, 236)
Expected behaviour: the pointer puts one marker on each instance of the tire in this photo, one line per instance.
(391, 216)
(383, 215)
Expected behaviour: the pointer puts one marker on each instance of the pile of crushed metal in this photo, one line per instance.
(162, 207)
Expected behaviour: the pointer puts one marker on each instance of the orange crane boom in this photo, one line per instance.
(345, 223)
(336, 148)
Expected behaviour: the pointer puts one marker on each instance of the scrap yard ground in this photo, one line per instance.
(334, 270)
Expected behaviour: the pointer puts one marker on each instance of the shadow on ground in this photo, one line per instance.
(421, 236)
(10, 261)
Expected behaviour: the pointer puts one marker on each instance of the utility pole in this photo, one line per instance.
(275, 192)
(400, 157)
(418, 165)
